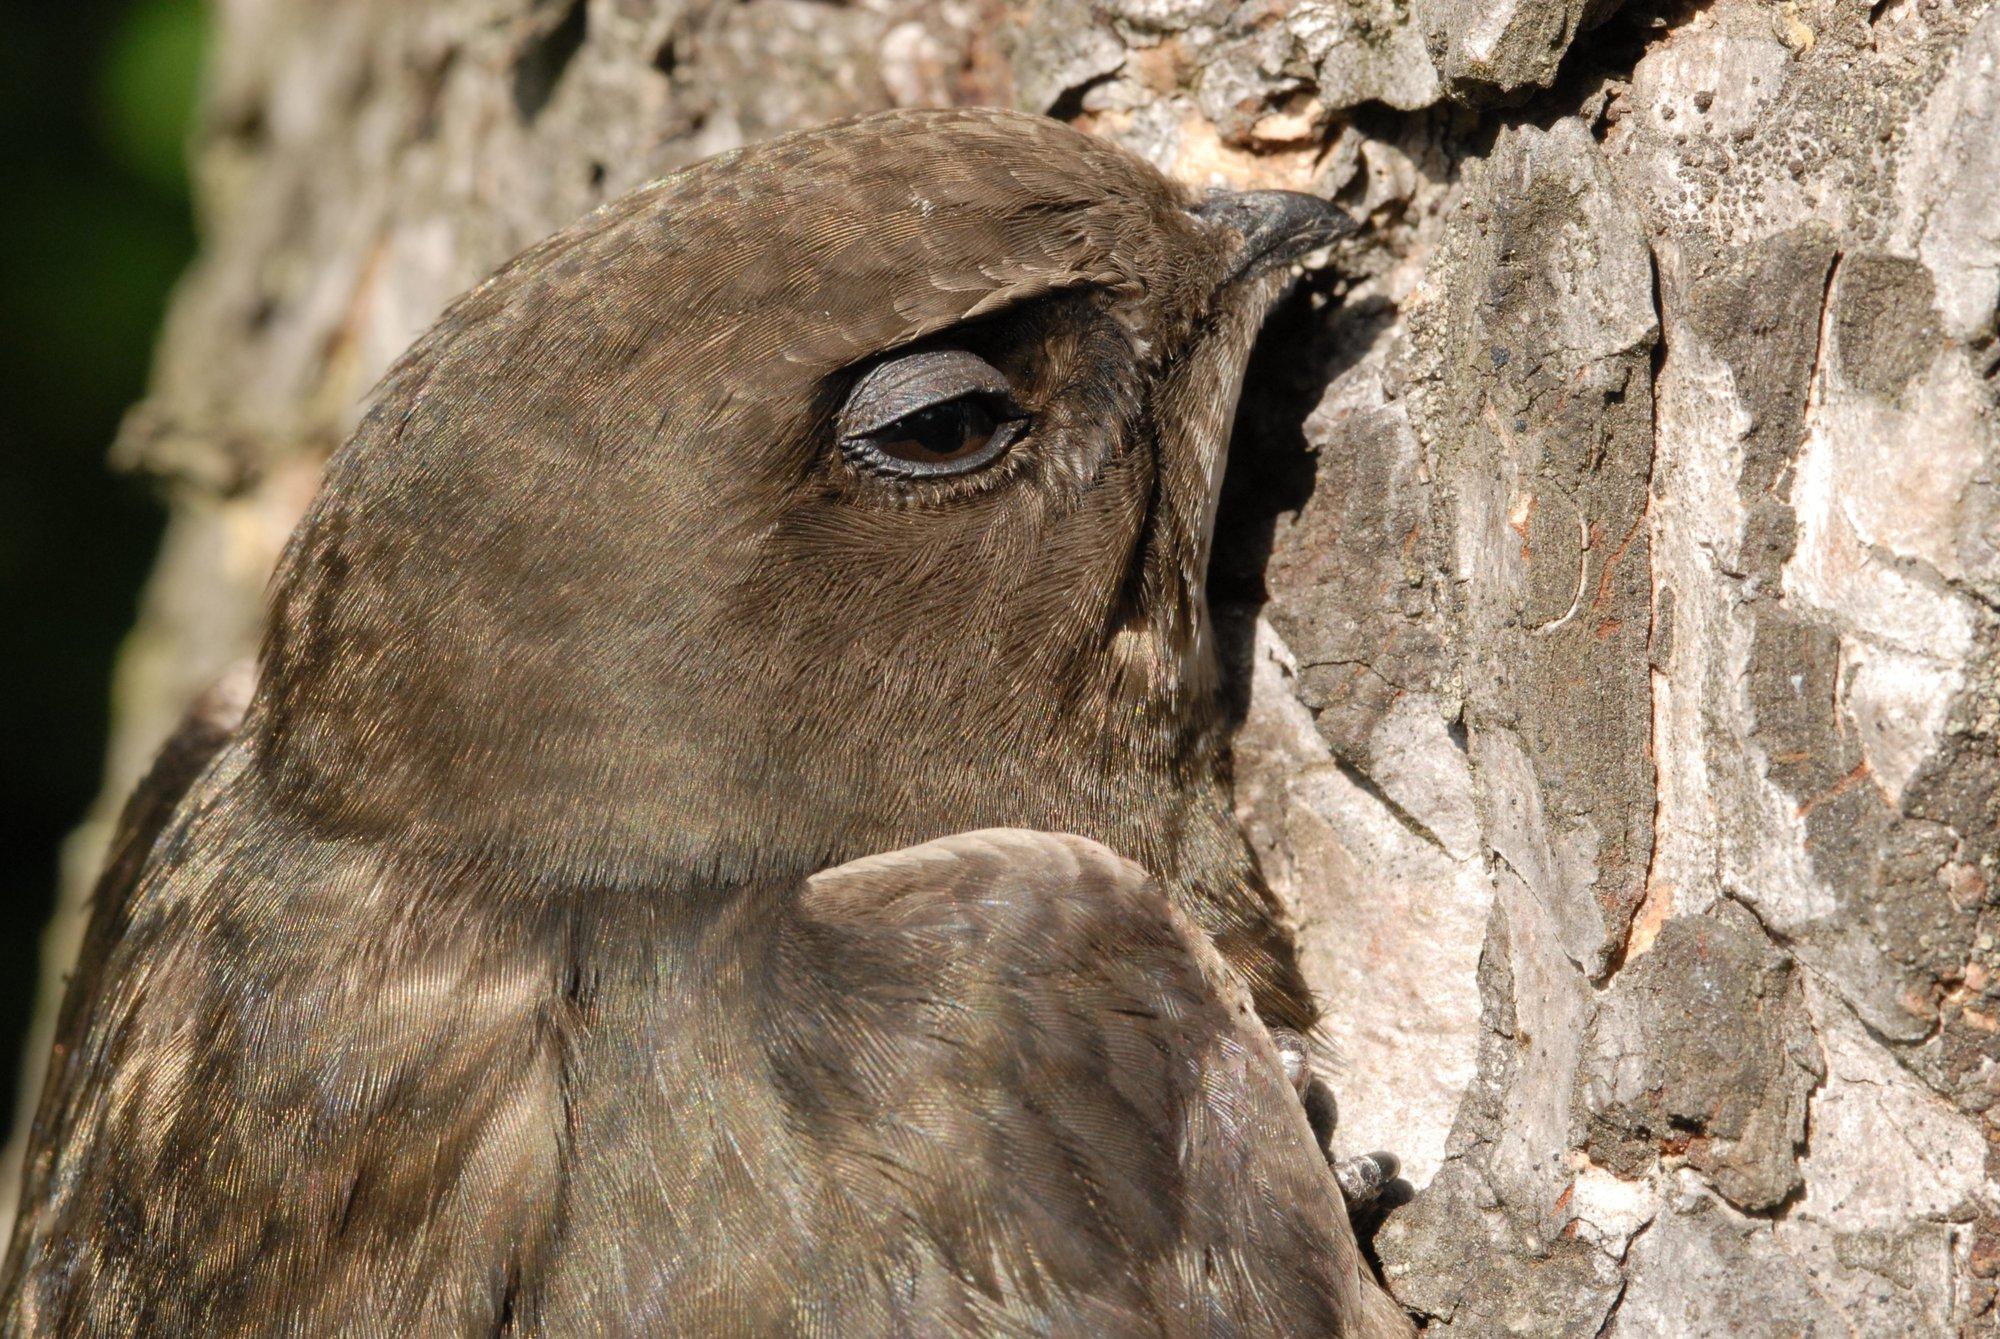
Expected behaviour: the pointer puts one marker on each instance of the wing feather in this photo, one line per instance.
(1013, 1040)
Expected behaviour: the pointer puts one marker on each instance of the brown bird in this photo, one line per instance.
(528, 961)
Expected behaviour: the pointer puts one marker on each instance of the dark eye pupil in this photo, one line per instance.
(940, 433)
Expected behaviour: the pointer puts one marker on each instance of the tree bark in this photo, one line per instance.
(1615, 539)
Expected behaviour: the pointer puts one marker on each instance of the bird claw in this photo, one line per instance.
(1296, 1058)
(1362, 1179)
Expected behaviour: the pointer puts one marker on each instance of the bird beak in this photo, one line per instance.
(1264, 232)
(1274, 227)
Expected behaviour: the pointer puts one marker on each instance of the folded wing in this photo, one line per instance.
(1010, 1045)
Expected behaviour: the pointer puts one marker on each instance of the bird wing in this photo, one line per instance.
(1010, 1049)
(990, 1085)
(209, 724)
(207, 727)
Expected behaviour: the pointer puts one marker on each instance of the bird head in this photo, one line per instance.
(836, 493)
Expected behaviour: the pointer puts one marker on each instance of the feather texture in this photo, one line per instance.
(528, 963)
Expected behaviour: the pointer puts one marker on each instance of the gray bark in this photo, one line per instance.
(1625, 706)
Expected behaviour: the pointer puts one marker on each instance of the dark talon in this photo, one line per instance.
(1322, 1113)
(1362, 1178)
(1298, 1062)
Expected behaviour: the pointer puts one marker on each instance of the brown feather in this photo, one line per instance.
(489, 981)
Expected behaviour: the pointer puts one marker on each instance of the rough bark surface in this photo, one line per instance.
(1625, 714)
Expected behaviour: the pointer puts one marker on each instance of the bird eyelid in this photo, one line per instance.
(903, 386)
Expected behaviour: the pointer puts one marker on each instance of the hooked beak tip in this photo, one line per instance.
(1276, 227)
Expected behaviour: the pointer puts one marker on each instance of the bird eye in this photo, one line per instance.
(928, 415)
(957, 435)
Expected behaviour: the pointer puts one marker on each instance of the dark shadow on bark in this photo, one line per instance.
(1270, 473)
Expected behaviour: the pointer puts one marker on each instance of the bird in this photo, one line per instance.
(731, 833)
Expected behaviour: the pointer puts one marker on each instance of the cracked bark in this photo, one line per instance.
(1613, 548)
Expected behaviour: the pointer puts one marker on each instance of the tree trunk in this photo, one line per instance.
(1625, 701)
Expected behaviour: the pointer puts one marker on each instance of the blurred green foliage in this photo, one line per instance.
(147, 90)
(96, 98)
